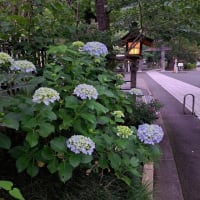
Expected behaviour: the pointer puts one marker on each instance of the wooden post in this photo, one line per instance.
(133, 73)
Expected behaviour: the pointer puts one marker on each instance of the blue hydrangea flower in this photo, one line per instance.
(124, 131)
(150, 134)
(80, 144)
(5, 59)
(85, 91)
(45, 95)
(23, 66)
(95, 48)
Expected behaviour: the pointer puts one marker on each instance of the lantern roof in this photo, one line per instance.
(135, 37)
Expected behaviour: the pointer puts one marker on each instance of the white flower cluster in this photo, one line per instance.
(5, 59)
(150, 134)
(118, 113)
(85, 91)
(23, 66)
(45, 95)
(80, 144)
(136, 91)
(124, 131)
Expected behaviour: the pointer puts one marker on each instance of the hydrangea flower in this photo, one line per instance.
(136, 91)
(124, 131)
(5, 59)
(80, 144)
(45, 95)
(23, 65)
(118, 113)
(85, 91)
(150, 134)
(78, 44)
(95, 48)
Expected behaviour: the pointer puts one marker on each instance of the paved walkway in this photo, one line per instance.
(178, 89)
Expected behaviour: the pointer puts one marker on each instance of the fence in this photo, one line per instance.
(22, 49)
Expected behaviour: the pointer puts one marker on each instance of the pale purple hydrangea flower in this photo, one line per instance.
(95, 48)
(150, 134)
(80, 144)
(85, 91)
(23, 66)
(45, 95)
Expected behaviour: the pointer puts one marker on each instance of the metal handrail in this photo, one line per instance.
(193, 102)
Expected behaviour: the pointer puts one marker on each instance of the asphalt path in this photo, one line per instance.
(191, 77)
(183, 132)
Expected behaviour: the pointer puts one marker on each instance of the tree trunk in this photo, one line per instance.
(102, 14)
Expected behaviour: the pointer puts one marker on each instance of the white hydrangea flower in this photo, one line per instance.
(136, 91)
(80, 144)
(5, 59)
(45, 95)
(124, 131)
(85, 91)
(23, 66)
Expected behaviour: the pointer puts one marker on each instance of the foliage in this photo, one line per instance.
(189, 66)
(13, 191)
(40, 131)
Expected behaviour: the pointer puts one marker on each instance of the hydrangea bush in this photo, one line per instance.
(78, 95)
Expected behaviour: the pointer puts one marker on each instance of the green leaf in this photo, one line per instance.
(89, 117)
(58, 144)
(22, 163)
(52, 166)
(86, 159)
(108, 139)
(32, 138)
(122, 143)
(115, 160)
(46, 129)
(15, 192)
(6, 185)
(32, 170)
(29, 122)
(71, 102)
(126, 179)
(134, 161)
(74, 160)
(11, 122)
(64, 171)
(98, 107)
(5, 141)
(67, 119)
(47, 153)
(103, 120)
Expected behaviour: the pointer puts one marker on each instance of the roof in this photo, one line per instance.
(133, 37)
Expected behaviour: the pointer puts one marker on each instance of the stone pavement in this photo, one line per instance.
(178, 89)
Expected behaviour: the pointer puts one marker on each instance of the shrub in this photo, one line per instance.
(81, 98)
(189, 66)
